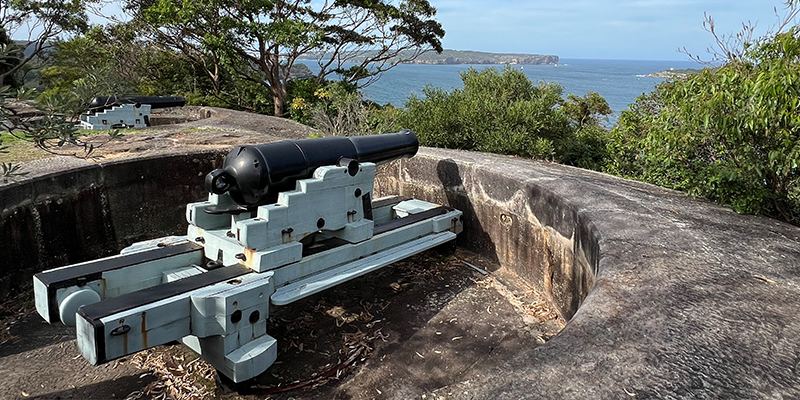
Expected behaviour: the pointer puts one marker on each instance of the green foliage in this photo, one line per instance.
(11, 170)
(339, 110)
(384, 119)
(258, 40)
(40, 21)
(53, 128)
(12, 57)
(587, 114)
(129, 65)
(502, 111)
(303, 96)
(731, 135)
(113, 54)
(589, 110)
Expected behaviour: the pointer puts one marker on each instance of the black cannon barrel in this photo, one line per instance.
(102, 102)
(253, 175)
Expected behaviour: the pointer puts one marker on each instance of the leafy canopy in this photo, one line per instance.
(39, 21)
(260, 40)
(731, 134)
(502, 111)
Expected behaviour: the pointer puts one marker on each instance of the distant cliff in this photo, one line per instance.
(478, 57)
(449, 57)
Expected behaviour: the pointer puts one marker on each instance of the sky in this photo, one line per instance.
(589, 29)
(597, 29)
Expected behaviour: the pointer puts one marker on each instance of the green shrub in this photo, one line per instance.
(339, 110)
(731, 135)
(502, 111)
(302, 98)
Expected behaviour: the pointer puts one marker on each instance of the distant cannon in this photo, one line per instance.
(107, 102)
(111, 112)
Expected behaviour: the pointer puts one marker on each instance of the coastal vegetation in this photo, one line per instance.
(675, 73)
(258, 41)
(729, 133)
(502, 111)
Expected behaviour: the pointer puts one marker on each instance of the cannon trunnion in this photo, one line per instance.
(212, 289)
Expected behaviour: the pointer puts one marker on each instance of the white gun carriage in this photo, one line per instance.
(283, 221)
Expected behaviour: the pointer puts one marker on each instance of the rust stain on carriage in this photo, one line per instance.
(249, 256)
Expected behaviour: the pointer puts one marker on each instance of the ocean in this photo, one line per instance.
(618, 81)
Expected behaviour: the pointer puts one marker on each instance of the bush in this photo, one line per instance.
(302, 98)
(502, 111)
(339, 110)
(731, 135)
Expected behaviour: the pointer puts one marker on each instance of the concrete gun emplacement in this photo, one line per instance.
(283, 221)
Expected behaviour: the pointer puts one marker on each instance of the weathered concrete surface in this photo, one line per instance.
(689, 299)
(670, 297)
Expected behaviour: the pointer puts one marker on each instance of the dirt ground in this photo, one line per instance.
(404, 331)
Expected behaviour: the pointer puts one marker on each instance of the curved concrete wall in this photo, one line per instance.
(685, 299)
(94, 210)
(521, 225)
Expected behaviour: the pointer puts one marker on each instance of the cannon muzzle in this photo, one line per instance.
(254, 175)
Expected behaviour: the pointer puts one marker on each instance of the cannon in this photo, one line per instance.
(110, 112)
(254, 175)
(283, 221)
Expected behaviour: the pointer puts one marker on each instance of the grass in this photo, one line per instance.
(18, 150)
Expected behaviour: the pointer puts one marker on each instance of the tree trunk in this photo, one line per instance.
(278, 103)
(279, 100)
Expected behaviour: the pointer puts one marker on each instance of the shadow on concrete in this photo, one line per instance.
(426, 320)
(474, 238)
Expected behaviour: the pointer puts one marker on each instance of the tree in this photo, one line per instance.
(42, 21)
(731, 134)
(11, 59)
(260, 40)
(588, 110)
(587, 149)
(339, 111)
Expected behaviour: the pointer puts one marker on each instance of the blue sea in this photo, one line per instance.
(618, 81)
